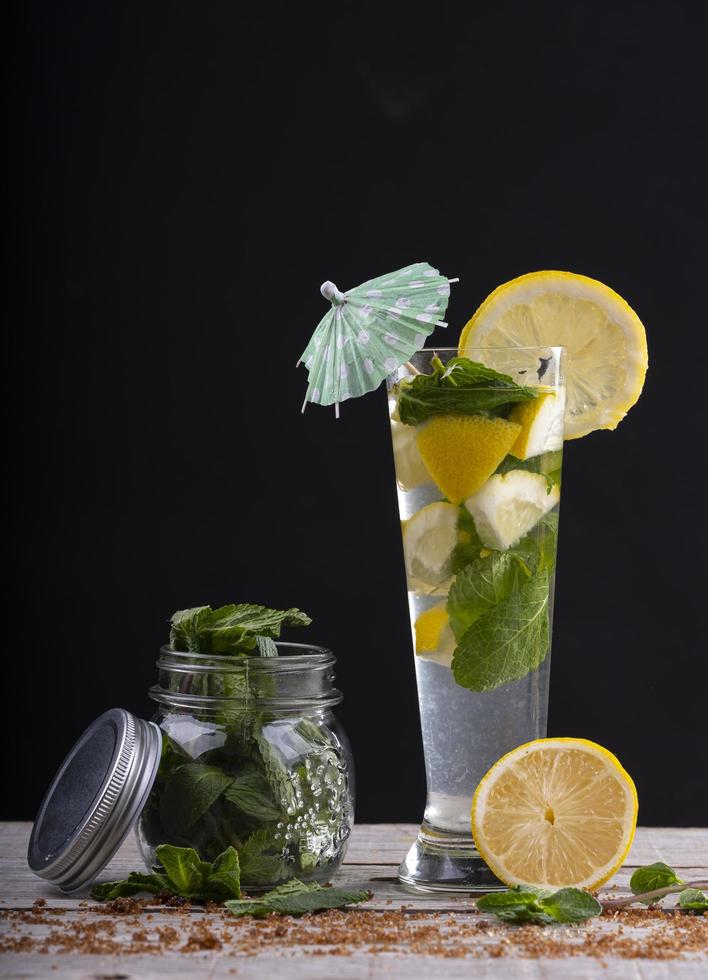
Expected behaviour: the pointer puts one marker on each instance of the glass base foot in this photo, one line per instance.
(446, 862)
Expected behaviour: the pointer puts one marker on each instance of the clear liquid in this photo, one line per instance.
(465, 732)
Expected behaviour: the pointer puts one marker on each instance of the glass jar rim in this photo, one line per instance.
(301, 677)
(291, 656)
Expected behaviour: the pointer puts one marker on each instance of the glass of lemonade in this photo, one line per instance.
(477, 444)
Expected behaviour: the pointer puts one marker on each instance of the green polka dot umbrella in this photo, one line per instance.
(371, 330)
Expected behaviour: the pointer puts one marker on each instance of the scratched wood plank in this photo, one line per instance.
(358, 966)
(372, 861)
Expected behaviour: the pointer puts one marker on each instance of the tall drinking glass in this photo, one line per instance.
(478, 491)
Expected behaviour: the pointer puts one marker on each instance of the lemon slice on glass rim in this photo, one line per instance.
(555, 812)
(604, 338)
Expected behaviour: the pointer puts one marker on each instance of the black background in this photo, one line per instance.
(187, 174)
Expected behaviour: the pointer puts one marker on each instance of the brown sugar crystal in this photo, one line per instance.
(130, 926)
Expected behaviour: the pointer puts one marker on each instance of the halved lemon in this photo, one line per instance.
(555, 812)
(604, 338)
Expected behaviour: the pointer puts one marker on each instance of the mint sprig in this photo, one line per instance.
(653, 882)
(252, 774)
(296, 898)
(180, 872)
(525, 904)
(236, 629)
(460, 387)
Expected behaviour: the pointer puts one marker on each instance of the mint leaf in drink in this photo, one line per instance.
(296, 898)
(651, 877)
(231, 629)
(460, 387)
(188, 794)
(250, 793)
(506, 642)
(693, 899)
(136, 883)
(538, 549)
(535, 905)
(481, 584)
(548, 464)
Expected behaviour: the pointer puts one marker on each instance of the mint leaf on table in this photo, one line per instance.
(460, 387)
(185, 869)
(535, 905)
(250, 793)
(181, 872)
(513, 906)
(651, 877)
(231, 629)
(693, 899)
(480, 585)
(189, 793)
(571, 905)
(296, 898)
(507, 641)
(134, 884)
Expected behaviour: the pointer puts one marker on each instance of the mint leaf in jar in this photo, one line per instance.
(189, 793)
(231, 629)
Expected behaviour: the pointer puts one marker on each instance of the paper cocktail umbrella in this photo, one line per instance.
(371, 330)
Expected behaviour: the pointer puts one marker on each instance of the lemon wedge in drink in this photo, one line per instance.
(555, 812)
(509, 505)
(462, 451)
(434, 639)
(604, 338)
(541, 422)
(410, 468)
(429, 538)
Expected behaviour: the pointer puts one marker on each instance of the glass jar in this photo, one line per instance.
(252, 756)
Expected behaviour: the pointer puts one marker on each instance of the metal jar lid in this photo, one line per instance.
(94, 799)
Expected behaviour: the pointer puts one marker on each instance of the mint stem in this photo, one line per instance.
(657, 893)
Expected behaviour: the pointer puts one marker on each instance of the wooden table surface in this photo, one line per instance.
(372, 861)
